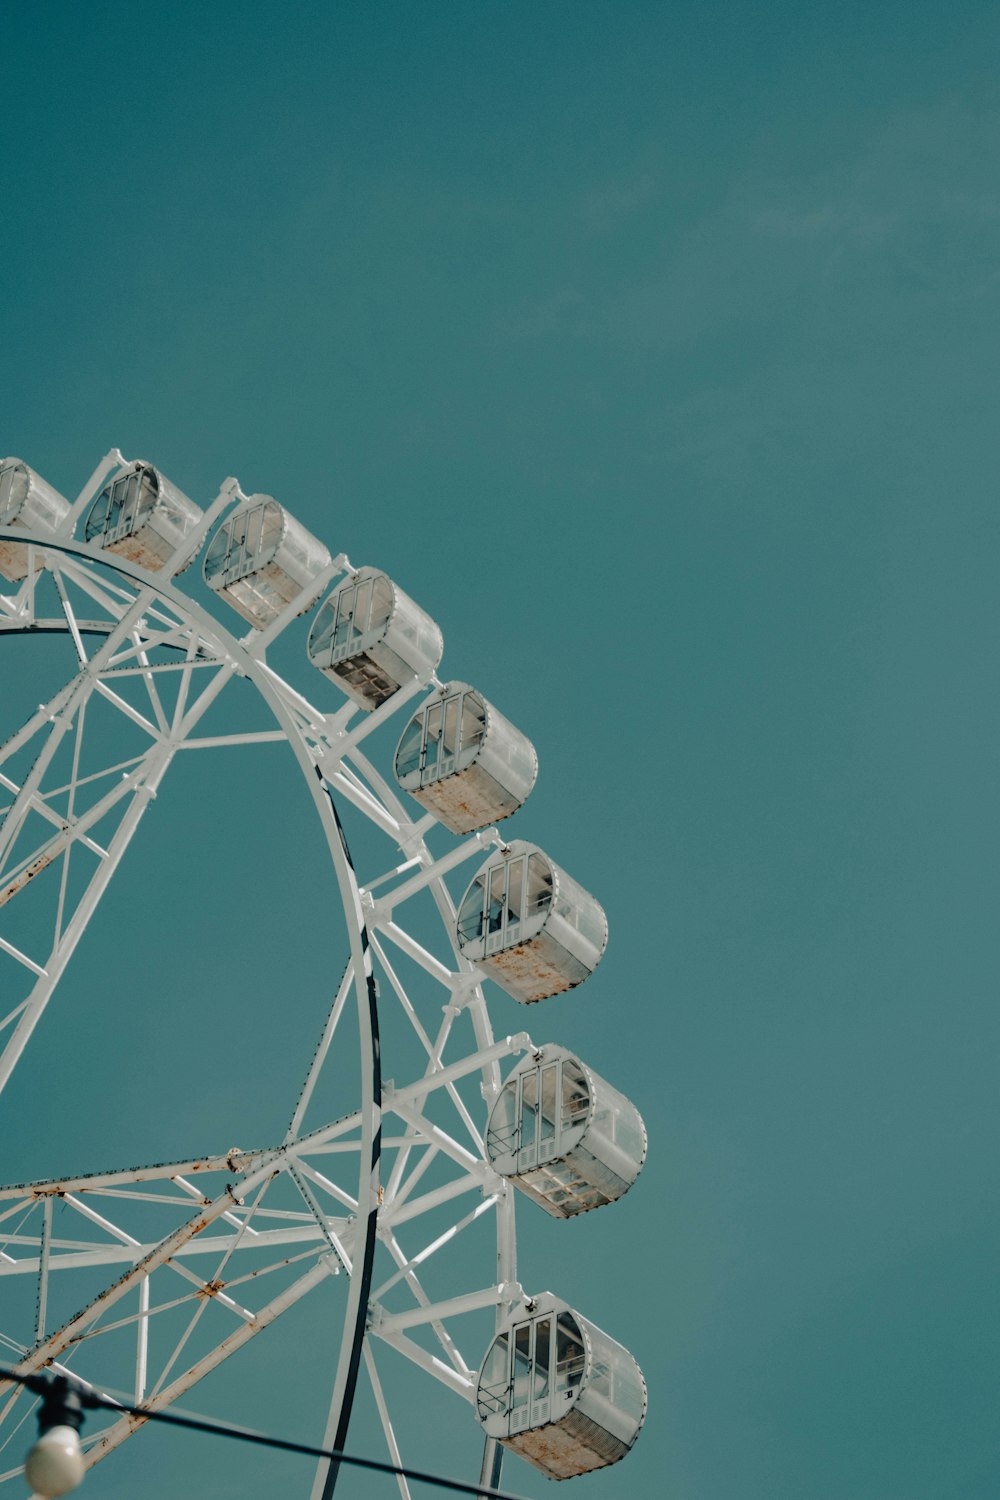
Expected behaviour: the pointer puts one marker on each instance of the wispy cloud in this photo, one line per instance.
(823, 221)
(608, 206)
(564, 311)
(902, 219)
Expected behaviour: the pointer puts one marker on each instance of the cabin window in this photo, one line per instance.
(444, 730)
(522, 1365)
(517, 889)
(494, 1385)
(570, 1353)
(8, 475)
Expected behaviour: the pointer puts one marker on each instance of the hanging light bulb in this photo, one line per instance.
(55, 1464)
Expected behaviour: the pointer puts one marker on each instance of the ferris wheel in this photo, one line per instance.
(143, 1280)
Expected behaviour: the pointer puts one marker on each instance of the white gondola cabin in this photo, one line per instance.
(370, 638)
(563, 1135)
(27, 503)
(142, 517)
(559, 1392)
(464, 761)
(261, 558)
(530, 927)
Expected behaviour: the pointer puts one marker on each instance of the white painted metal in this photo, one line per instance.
(140, 515)
(529, 925)
(390, 1437)
(140, 622)
(460, 757)
(271, 1223)
(556, 1389)
(564, 1136)
(372, 639)
(264, 563)
(27, 504)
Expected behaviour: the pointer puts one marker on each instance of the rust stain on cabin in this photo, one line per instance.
(530, 971)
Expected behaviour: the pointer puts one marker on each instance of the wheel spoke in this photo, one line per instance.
(113, 1436)
(249, 1232)
(74, 629)
(383, 1412)
(435, 1245)
(319, 1057)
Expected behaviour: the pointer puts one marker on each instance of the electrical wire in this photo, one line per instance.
(92, 1398)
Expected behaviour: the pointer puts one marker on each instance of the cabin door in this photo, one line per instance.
(445, 729)
(124, 505)
(244, 543)
(353, 610)
(440, 739)
(250, 541)
(505, 903)
(538, 1114)
(531, 1383)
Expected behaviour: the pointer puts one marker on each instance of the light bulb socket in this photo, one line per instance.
(62, 1402)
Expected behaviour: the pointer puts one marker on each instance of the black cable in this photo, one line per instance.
(42, 1385)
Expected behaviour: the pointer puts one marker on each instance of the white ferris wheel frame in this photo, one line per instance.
(140, 611)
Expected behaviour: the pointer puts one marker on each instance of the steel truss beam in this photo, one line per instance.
(147, 618)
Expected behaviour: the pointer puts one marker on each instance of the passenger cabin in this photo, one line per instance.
(142, 517)
(261, 558)
(559, 1392)
(464, 761)
(563, 1136)
(370, 638)
(531, 928)
(27, 503)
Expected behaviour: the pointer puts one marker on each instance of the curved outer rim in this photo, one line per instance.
(364, 986)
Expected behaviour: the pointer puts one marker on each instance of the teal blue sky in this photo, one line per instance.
(653, 349)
